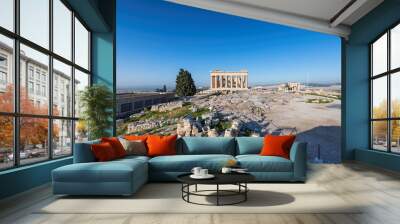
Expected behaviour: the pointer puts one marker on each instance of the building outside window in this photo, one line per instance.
(34, 74)
(38, 89)
(3, 61)
(30, 72)
(37, 75)
(43, 90)
(3, 78)
(30, 87)
(3, 71)
(385, 91)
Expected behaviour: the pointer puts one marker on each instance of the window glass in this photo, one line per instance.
(34, 80)
(62, 29)
(81, 131)
(6, 142)
(34, 21)
(39, 62)
(395, 47)
(81, 82)
(379, 135)
(62, 89)
(62, 138)
(81, 45)
(33, 139)
(379, 56)
(379, 98)
(6, 74)
(395, 95)
(7, 14)
(395, 136)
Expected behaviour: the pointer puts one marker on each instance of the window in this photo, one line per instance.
(44, 91)
(81, 82)
(62, 74)
(6, 74)
(3, 78)
(35, 21)
(37, 75)
(385, 92)
(33, 140)
(37, 89)
(6, 142)
(3, 72)
(7, 14)
(62, 137)
(31, 76)
(49, 79)
(81, 45)
(62, 29)
(30, 88)
(3, 61)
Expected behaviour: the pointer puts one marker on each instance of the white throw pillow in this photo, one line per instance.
(135, 147)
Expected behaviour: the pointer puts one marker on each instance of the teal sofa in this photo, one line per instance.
(125, 176)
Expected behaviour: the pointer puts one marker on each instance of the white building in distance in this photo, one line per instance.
(224, 80)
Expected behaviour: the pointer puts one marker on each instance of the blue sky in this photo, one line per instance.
(156, 38)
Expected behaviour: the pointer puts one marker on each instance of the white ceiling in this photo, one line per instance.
(325, 16)
(321, 9)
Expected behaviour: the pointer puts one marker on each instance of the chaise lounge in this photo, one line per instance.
(125, 176)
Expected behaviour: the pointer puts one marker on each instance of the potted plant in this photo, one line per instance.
(96, 103)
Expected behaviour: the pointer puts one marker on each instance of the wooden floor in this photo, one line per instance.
(378, 189)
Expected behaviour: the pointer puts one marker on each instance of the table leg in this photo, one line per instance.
(245, 193)
(188, 190)
(217, 194)
(195, 188)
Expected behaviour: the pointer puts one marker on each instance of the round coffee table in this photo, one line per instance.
(238, 179)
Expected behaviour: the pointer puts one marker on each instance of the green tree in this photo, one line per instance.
(184, 84)
(97, 103)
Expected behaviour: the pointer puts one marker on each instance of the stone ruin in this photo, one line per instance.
(188, 127)
(195, 127)
(163, 107)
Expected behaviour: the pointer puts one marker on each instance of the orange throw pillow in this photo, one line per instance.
(103, 152)
(116, 145)
(277, 145)
(161, 145)
(142, 138)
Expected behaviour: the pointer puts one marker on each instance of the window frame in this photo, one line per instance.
(16, 114)
(388, 74)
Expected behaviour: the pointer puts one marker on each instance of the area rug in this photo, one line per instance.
(166, 198)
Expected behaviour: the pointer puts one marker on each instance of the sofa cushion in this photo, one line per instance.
(161, 145)
(277, 145)
(103, 152)
(185, 163)
(257, 163)
(206, 145)
(112, 171)
(134, 147)
(116, 145)
(249, 145)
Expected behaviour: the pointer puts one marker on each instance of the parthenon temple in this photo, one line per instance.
(223, 80)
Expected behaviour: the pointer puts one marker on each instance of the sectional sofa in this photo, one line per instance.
(125, 176)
